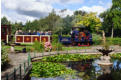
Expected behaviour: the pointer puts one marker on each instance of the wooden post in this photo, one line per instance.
(24, 67)
(20, 72)
(7, 77)
(14, 74)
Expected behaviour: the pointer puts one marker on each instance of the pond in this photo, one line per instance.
(89, 70)
(75, 67)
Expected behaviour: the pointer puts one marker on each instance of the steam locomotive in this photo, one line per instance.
(79, 36)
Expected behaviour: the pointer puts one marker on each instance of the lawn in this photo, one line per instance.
(20, 48)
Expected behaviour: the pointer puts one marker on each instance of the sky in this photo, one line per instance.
(25, 10)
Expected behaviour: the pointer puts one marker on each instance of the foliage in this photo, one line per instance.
(97, 39)
(16, 26)
(67, 24)
(116, 56)
(4, 21)
(79, 12)
(114, 41)
(55, 38)
(89, 20)
(49, 69)
(69, 57)
(57, 46)
(4, 55)
(55, 43)
(111, 19)
(38, 46)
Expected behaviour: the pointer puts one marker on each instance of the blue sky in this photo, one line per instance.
(23, 10)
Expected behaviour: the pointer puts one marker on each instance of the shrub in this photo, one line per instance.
(97, 39)
(114, 41)
(47, 46)
(38, 46)
(4, 55)
(116, 56)
(55, 38)
(57, 46)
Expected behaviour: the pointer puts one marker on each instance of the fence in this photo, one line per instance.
(24, 68)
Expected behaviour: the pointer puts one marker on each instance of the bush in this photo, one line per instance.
(116, 56)
(4, 55)
(47, 46)
(55, 38)
(97, 39)
(57, 46)
(114, 41)
(38, 46)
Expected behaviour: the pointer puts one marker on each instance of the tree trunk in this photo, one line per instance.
(112, 32)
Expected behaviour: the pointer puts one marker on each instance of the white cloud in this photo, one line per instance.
(70, 1)
(101, 2)
(28, 6)
(61, 1)
(14, 17)
(98, 9)
(23, 10)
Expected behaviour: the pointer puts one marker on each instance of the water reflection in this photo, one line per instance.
(90, 70)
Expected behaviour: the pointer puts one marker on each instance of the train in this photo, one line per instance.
(80, 36)
(6, 37)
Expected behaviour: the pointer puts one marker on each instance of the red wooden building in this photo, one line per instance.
(5, 31)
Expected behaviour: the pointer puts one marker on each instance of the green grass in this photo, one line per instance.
(17, 48)
(74, 48)
(27, 44)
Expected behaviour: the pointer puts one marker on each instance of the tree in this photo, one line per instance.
(67, 24)
(111, 19)
(90, 20)
(82, 13)
(52, 22)
(115, 13)
(4, 21)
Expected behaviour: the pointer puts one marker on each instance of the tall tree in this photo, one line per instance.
(16, 26)
(4, 21)
(115, 13)
(67, 24)
(111, 19)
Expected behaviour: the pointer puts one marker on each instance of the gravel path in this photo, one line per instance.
(19, 58)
